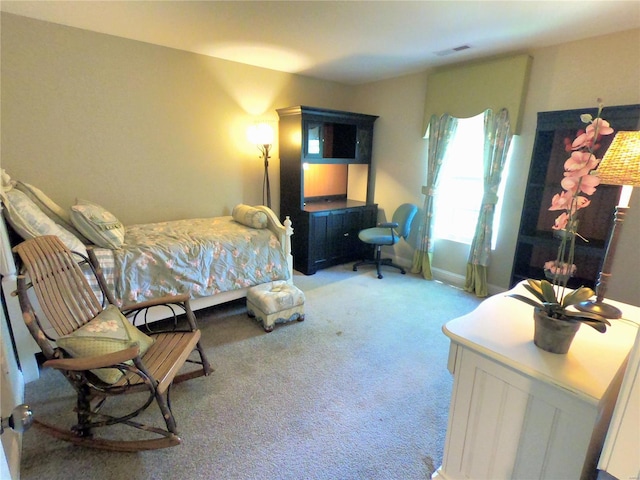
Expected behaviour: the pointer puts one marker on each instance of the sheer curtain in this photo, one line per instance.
(440, 131)
(497, 130)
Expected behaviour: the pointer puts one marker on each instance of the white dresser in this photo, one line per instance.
(518, 412)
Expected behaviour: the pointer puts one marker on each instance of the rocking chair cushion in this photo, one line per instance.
(108, 332)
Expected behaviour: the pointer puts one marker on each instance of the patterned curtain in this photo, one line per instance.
(439, 132)
(497, 131)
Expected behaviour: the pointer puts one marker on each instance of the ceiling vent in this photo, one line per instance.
(451, 51)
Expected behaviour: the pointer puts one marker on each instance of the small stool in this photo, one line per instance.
(273, 302)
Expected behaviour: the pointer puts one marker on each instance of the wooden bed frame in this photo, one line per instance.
(26, 348)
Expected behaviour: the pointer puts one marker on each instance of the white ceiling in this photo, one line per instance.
(350, 42)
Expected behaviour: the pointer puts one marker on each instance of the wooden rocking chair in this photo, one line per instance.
(68, 302)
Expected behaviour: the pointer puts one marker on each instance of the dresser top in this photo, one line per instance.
(501, 328)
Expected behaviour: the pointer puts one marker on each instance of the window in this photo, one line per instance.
(461, 185)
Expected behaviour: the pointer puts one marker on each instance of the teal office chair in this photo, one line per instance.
(388, 233)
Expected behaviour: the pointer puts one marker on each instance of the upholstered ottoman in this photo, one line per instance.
(275, 302)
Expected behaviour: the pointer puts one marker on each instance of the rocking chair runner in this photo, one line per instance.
(69, 303)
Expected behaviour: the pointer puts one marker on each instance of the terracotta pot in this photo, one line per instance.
(553, 335)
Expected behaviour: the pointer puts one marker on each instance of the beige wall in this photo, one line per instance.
(567, 76)
(155, 134)
(399, 151)
(574, 75)
(149, 132)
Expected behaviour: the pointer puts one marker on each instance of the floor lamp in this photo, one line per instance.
(261, 135)
(620, 166)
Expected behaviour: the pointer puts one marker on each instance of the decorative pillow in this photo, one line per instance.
(29, 221)
(249, 216)
(50, 208)
(109, 332)
(100, 226)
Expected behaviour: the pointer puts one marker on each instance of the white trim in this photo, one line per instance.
(11, 394)
(458, 281)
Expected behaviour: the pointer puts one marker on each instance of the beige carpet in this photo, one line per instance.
(359, 390)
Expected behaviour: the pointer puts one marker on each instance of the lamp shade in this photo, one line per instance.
(621, 162)
(260, 134)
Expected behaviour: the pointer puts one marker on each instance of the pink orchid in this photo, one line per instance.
(581, 202)
(561, 221)
(570, 184)
(580, 176)
(564, 202)
(582, 141)
(589, 184)
(561, 201)
(600, 126)
(586, 184)
(594, 131)
(579, 160)
(583, 172)
(561, 268)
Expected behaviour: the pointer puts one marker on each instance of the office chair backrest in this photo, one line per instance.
(403, 216)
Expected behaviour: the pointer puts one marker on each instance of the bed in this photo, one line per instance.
(205, 257)
(215, 260)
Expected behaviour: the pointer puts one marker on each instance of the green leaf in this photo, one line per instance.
(577, 296)
(534, 284)
(587, 316)
(599, 326)
(548, 292)
(536, 293)
(527, 300)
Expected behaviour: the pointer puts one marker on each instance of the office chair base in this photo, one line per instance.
(378, 263)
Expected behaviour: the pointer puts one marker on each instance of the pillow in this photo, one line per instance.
(109, 332)
(100, 226)
(249, 216)
(29, 221)
(50, 208)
